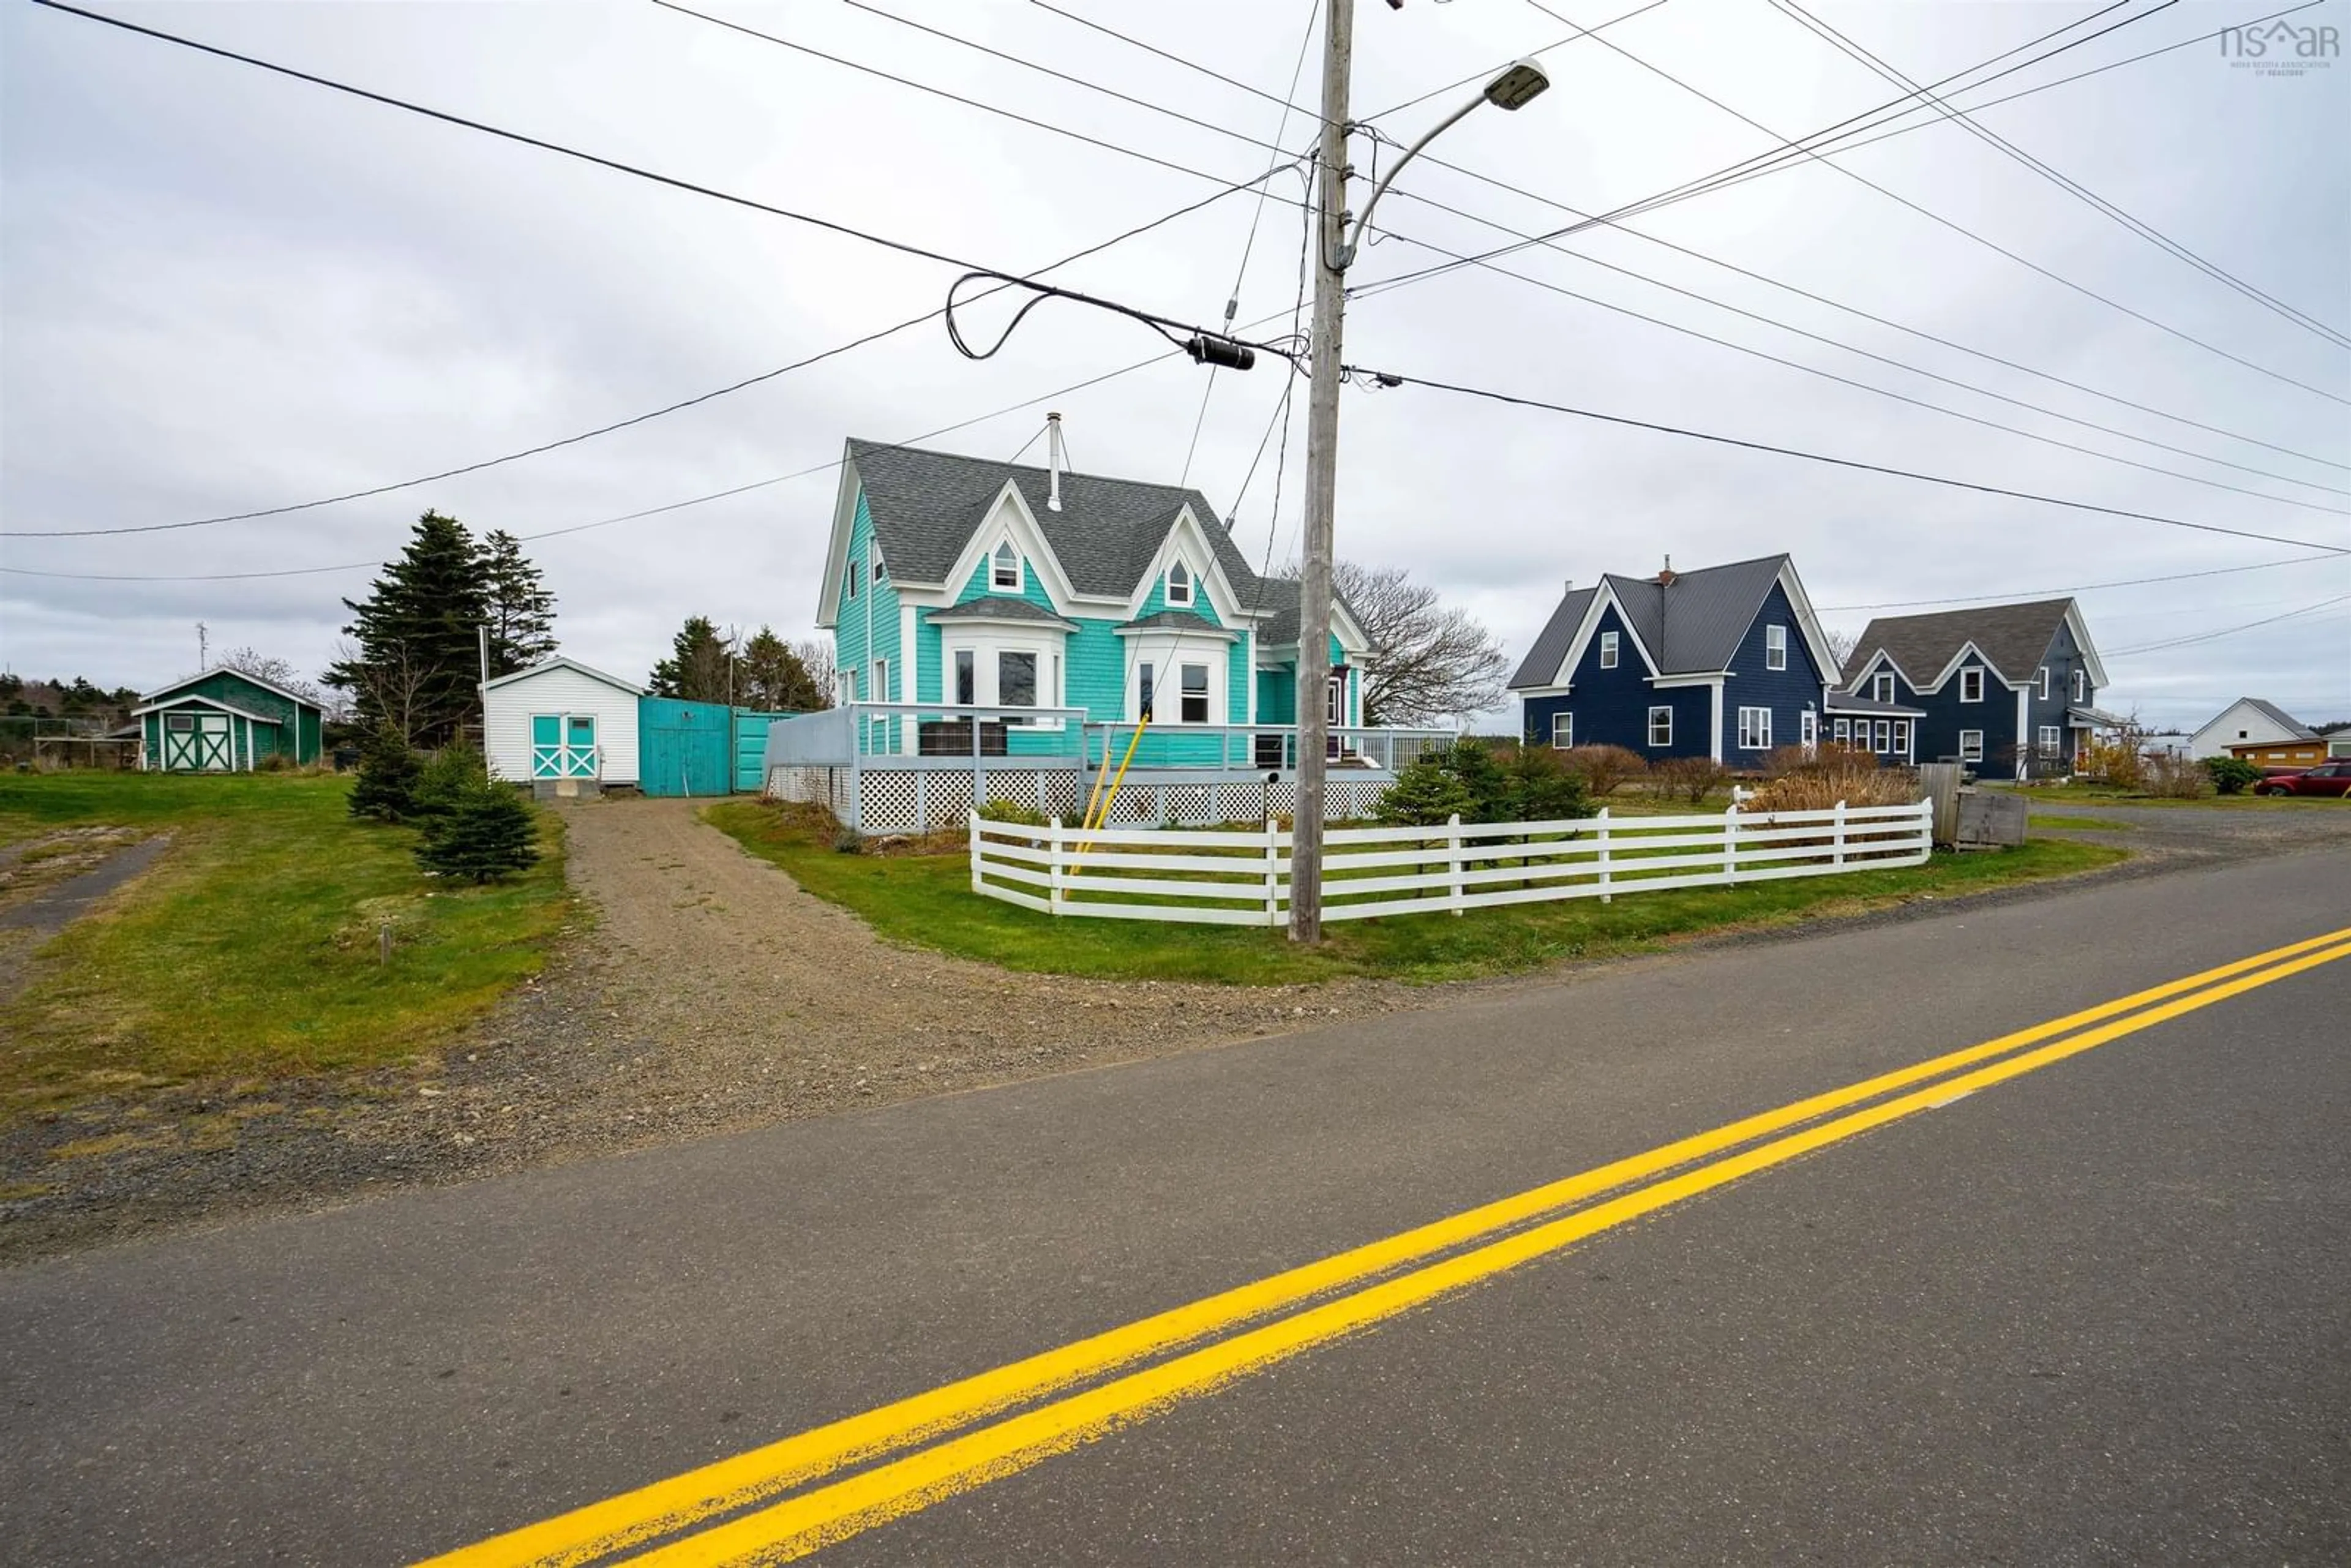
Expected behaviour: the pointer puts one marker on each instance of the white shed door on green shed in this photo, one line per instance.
(197, 742)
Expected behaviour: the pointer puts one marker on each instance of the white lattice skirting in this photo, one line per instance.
(889, 801)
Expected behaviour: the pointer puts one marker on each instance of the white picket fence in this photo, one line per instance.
(1242, 877)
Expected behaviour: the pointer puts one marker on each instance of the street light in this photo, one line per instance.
(1334, 252)
(1519, 83)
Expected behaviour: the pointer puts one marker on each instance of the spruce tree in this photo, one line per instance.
(489, 833)
(696, 669)
(417, 663)
(1425, 795)
(1481, 779)
(385, 789)
(521, 611)
(771, 676)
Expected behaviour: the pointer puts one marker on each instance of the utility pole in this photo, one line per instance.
(204, 646)
(1322, 481)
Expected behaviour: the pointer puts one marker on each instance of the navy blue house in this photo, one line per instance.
(2007, 689)
(1727, 661)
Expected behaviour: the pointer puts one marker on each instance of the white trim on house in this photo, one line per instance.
(1703, 678)
(2023, 732)
(1610, 641)
(1808, 623)
(1714, 723)
(1656, 710)
(1775, 645)
(1972, 674)
(1970, 654)
(2227, 729)
(1557, 742)
(1972, 750)
(1754, 729)
(1165, 648)
(183, 700)
(2083, 646)
(1603, 598)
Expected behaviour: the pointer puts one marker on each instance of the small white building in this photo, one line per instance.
(561, 728)
(2247, 722)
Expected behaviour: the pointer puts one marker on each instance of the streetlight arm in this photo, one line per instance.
(1346, 257)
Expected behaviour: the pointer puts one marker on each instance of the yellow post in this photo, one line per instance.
(1112, 795)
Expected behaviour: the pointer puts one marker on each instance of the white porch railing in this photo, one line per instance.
(1242, 878)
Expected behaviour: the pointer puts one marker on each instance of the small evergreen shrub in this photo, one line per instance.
(485, 833)
(385, 789)
(1541, 788)
(447, 780)
(2231, 775)
(1425, 795)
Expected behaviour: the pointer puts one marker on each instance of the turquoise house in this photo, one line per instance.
(1020, 623)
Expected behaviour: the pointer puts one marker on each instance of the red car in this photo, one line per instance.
(2326, 778)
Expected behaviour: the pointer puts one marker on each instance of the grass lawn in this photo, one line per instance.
(250, 949)
(927, 900)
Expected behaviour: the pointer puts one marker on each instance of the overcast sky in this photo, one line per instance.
(226, 291)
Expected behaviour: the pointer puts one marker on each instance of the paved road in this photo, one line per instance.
(2094, 1313)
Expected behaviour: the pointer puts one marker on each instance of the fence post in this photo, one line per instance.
(1839, 858)
(1272, 867)
(1054, 892)
(1730, 842)
(977, 882)
(1453, 862)
(1605, 896)
(1925, 849)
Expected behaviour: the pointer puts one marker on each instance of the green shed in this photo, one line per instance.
(225, 721)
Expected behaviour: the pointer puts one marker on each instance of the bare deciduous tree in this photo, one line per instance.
(1429, 661)
(1841, 647)
(815, 656)
(396, 686)
(277, 671)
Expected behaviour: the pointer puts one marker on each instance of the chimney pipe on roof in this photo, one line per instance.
(1665, 577)
(1053, 461)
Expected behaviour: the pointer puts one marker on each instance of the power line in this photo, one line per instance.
(1960, 228)
(1586, 220)
(1877, 64)
(673, 182)
(1487, 74)
(628, 516)
(1905, 397)
(1248, 245)
(1389, 379)
(2232, 631)
(2023, 594)
(2124, 435)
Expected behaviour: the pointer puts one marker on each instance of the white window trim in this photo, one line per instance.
(1190, 585)
(954, 675)
(880, 680)
(1881, 686)
(1562, 731)
(1972, 673)
(1165, 651)
(1775, 646)
(1668, 714)
(1207, 669)
(1808, 729)
(1754, 729)
(1972, 750)
(1840, 732)
(2052, 739)
(848, 581)
(2042, 677)
(2081, 685)
(1608, 646)
(1884, 736)
(1019, 569)
(983, 643)
(1901, 746)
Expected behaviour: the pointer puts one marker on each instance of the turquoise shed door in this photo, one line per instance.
(563, 745)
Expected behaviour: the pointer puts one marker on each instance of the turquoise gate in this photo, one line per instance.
(700, 748)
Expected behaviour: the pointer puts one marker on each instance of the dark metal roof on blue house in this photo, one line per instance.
(1690, 623)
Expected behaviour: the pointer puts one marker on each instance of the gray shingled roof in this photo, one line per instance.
(2013, 638)
(926, 506)
(1543, 660)
(1690, 626)
(996, 607)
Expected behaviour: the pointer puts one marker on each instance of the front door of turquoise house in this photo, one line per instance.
(197, 743)
(562, 745)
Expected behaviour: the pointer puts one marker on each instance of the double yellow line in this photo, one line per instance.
(1350, 1292)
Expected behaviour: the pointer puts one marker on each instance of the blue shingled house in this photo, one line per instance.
(2009, 687)
(1727, 662)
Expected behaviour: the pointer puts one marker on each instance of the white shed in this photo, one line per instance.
(561, 724)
